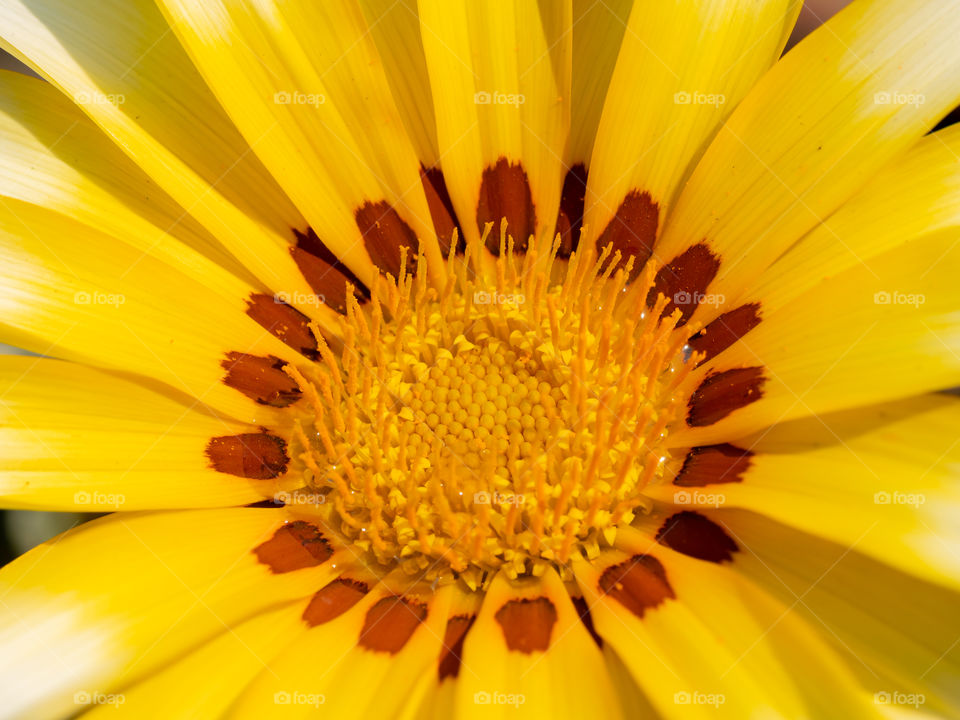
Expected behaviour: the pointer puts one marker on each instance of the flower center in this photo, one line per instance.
(504, 421)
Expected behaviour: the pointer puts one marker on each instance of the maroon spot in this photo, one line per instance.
(527, 623)
(633, 229)
(384, 233)
(390, 623)
(693, 534)
(261, 379)
(258, 456)
(294, 546)
(441, 209)
(505, 193)
(722, 393)
(713, 464)
(639, 584)
(452, 651)
(334, 599)
(324, 272)
(570, 215)
(684, 280)
(725, 330)
(284, 322)
(583, 612)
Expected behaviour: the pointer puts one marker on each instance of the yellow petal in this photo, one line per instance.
(529, 654)
(883, 479)
(109, 602)
(681, 71)
(838, 107)
(916, 195)
(226, 665)
(871, 334)
(71, 292)
(288, 74)
(701, 642)
(122, 65)
(75, 438)
(500, 77)
(359, 664)
(897, 633)
(395, 28)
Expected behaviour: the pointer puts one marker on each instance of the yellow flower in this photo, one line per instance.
(557, 359)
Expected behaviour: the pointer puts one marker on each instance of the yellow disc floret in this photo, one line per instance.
(494, 424)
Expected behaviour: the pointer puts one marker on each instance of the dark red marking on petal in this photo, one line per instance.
(684, 280)
(261, 379)
(633, 229)
(527, 624)
(333, 600)
(693, 534)
(441, 209)
(390, 623)
(384, 233)
(284, 322)
(639, 584)
(722, 393)
(570, 215)
(583, 611)
(324, 272)
(258, 456)
(452, 651)
(712, 465)
(725, 330)
(294, 546)
(505, 193)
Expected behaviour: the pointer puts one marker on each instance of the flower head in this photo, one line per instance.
(570, 358)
